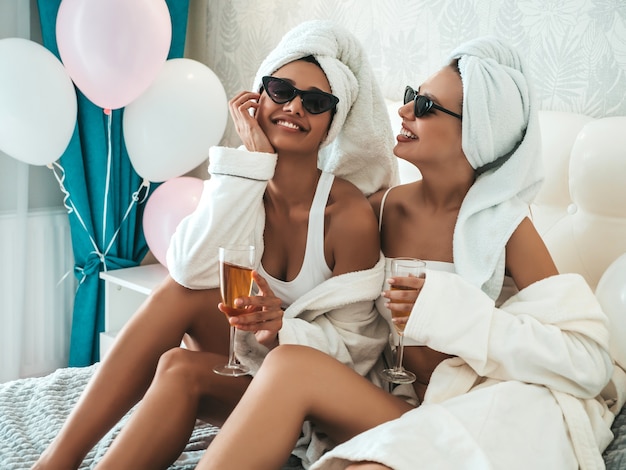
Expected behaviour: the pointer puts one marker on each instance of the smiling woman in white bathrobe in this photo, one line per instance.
(316, 239)
(513, 385)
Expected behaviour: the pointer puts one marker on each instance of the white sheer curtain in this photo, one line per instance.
(14, 184)
(35, 247)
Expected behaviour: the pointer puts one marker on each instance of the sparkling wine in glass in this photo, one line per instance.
(236, 265)
(402, 267)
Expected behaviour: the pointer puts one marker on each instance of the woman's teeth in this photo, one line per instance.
(406, 133)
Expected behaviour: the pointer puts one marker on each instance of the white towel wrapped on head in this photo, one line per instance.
(501, 140)
(359, 145)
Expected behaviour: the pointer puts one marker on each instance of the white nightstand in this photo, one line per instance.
(125, 290)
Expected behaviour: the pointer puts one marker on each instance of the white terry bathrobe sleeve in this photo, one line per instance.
(552, 333)
(230, 211)
(544, 350)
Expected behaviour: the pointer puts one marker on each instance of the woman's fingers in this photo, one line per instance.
(263, 285)
(243, 107)
(241, 103)
(404, 292)
(263, 311)
(257, 321)
(410, 282)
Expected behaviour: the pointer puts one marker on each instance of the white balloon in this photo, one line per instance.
(611, 293)
(37, 103)
(169, 128)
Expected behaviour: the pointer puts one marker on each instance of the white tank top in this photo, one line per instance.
(314, 269)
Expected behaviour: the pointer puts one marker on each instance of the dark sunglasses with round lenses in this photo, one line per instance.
(281, 92)
(423, 105)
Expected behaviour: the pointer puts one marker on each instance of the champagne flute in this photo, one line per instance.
(402, 267)
(236, 265)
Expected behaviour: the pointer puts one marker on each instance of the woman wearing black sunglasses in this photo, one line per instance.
(512, 385)
(316, 239)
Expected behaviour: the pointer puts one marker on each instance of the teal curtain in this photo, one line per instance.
(103, 194)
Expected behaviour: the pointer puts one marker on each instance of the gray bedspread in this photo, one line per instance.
(33, 410)
(615, 453)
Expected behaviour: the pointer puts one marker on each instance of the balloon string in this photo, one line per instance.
(64, 277)
(134, 199)
(137, 197)
(59, 174)
(108, 179)
(61, 179)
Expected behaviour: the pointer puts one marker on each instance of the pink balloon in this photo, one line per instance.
(167, 206)
(113, 49)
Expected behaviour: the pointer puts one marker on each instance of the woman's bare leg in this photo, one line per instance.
(296, 383)
(127, 371)
(167, 414)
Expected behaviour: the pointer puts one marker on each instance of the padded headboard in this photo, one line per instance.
(581, 208)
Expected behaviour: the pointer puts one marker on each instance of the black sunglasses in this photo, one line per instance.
(281, 92)
(423, 105)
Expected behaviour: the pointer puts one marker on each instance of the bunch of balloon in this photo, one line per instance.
(168, 131)
(37, 103)
(113, 51)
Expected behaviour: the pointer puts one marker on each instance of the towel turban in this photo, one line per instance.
(359, 145)
(501, 140)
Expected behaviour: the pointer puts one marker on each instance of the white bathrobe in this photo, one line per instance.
(338, 317)
(526, 390)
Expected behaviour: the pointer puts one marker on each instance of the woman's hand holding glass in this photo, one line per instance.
(264, 313)
(406, 283)
(402, 299)
(237, 263)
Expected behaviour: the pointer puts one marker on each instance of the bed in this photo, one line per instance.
(580, 212)
(32, 411)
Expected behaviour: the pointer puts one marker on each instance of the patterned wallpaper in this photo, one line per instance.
(576, 49)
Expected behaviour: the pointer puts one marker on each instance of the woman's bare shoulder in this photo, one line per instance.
(376, 199)
(396, 197)
(352, 229)
(349, 206)
(345, 196)
(527, 257)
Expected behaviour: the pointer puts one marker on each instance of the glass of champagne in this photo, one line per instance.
(402, 267)
(236, 265)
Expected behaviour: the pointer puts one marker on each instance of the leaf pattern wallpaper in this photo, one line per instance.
(575, 49)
